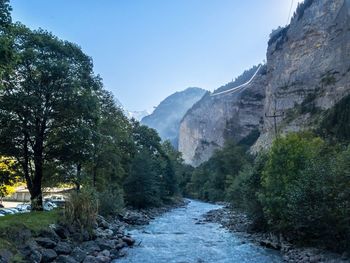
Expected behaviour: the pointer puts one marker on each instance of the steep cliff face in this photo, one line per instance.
(308, 67)
(214, 119)
(307, 72)
(168, 114)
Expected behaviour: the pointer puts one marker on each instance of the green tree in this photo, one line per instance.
(41, 99)
(287, 158)
(142, 186)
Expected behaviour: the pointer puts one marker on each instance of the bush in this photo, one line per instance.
(81, 208)
(244, 190)
(111, 201)
(287, 158)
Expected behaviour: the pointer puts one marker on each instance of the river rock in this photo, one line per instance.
(63, 248)
(35, 257)
(61, 231)
(90, 246)
(105, 253)
(65, 259)
(48, 255)
(102, 222)
(45, 242)
(99, 259)
(5, 255)
(78, 254)
(105, 243)
(103, 233)
(49, 233)
(135, 218)
(128, 240)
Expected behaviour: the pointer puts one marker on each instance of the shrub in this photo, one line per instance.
(81, 208)
(111, 201)
(287, 158)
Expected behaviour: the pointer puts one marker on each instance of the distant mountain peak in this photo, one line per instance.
(167, 115)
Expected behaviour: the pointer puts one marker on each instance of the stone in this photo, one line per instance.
(105, 253)
(6, 255)
(49, 233)
(48, 255)
(66, 259)
(128, 240)
(35, 257)
(103, 233)
(102, 222)
(90, 246)
(105, 243)
(103, 259)
(63, 248)
(91, 259)
(78, 254)
(62, 232)
(45, 242)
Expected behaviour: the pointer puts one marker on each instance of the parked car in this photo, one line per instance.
(48, 206)
(23, 207)
(58, 200)
(6, 211)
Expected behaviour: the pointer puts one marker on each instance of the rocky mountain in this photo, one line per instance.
(167, 115)
(216, 118)
(308, 67)
(307, 72)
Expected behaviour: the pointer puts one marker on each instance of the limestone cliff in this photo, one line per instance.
(214, 119)
(308, 67)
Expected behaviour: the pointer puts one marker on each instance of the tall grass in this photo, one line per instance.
(82, 208)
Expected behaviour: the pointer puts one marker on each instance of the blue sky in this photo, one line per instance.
(146, 50)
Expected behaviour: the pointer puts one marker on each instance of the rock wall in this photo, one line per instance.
(308, 67)
(214, 119)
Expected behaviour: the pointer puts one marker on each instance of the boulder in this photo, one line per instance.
(102, 222)
(90, 246)
(35, 257)
(45, 242)
(49, 233)
(128, 240)
(63, 248)
(105, 243)
(5, 255)
(91, 259)
(48, 255)
(105, 253)
(62, 232)
(78, 254)
(65, 259)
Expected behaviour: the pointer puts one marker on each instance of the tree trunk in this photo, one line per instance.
(94, 176)
(36, 193)
(78, 179)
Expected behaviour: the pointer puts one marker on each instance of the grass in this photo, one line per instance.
(12, 226)
(34, 221)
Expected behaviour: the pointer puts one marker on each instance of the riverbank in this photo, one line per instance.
(41, 237)
(240, 224)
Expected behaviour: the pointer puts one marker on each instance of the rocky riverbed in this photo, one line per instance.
(240, 224)
(67, 244)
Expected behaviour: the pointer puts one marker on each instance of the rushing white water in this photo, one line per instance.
(176, 238)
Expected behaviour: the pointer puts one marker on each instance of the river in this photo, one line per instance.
(175, 237)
